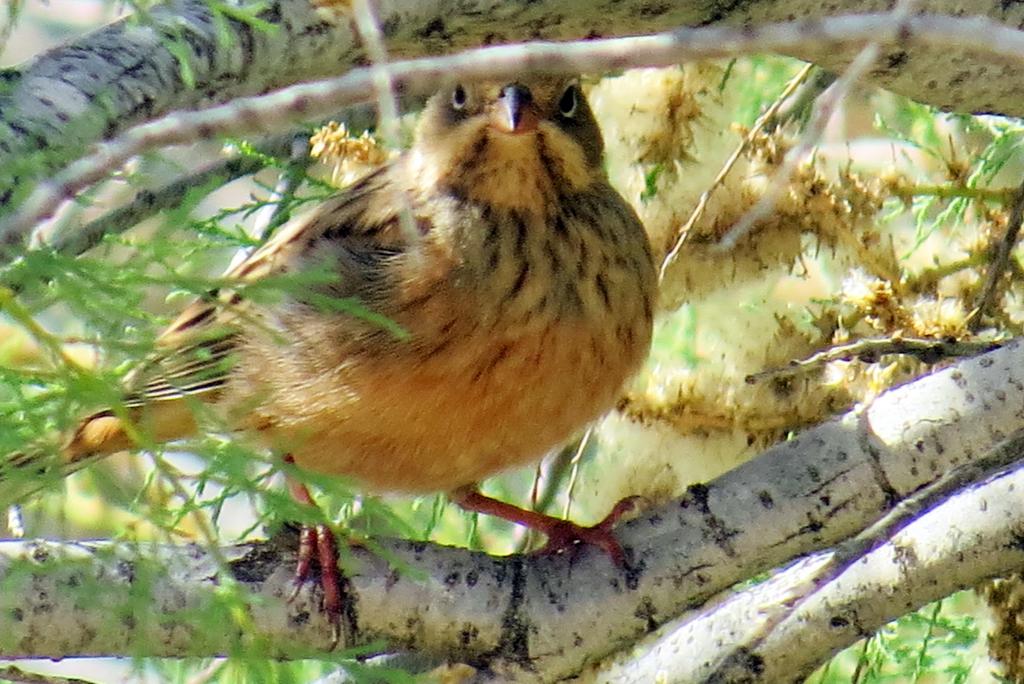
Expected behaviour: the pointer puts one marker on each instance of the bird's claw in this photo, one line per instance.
(319, 541)
(564, 535)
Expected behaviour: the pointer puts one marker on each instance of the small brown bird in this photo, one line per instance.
(523, 282)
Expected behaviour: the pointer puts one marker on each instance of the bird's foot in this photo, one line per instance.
(317, 542)
(563, 535)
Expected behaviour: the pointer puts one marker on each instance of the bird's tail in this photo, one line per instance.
(99, 434)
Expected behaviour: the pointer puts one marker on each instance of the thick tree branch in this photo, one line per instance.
(187, 53)
(975, 535)
(317, 99)
(75, 241)
(146, 203)
(545, 616)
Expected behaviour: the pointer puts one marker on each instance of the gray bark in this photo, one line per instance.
(543, 618)
(131, 71)
(974, 536)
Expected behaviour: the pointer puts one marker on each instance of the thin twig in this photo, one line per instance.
(929, 278)
(702, 203)
(208, 673)
(825, 107)
(278, 208)
(549, 477)
(800, 104)
(146, 203)
(78, 240)
(1000, 262)
(317, 99)
(387, 100)
(14, 8)
(59, 356)
(384, 87)
(858, 672)
(871, 349)
(955, 191)
(574, 473)
(278, 211)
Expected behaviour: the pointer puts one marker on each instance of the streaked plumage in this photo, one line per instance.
(525, 291)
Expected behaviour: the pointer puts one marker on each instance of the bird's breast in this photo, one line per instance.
(519, 334)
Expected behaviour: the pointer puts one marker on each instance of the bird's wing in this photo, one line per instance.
(193, 354)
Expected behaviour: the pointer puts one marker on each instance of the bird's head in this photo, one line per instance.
(512, 143)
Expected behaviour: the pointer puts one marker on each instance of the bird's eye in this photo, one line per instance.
(458, 98)
(568, 103)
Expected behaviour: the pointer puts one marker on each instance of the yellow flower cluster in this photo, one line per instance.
(347, 156)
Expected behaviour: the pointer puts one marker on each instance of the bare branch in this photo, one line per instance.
(79, 239)
(551, 615)
(313, 100)
(387, 101)
(908, 511)
(146, 203)
(275, 214)
(1000, 261)
(973, 536)
(190, 53)
(824, 109)
(763, 121)
(872, 348)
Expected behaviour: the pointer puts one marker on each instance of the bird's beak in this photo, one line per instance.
(515, 112)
